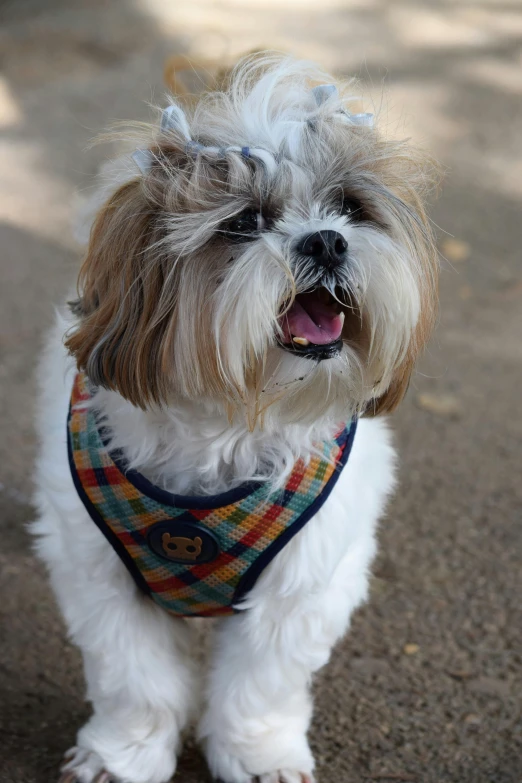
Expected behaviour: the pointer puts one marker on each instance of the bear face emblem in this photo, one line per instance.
(183, 540)
(180, 547)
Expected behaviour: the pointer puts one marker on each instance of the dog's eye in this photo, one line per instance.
(352, 207)
(243, 227)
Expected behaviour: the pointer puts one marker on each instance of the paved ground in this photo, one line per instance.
(427, 687)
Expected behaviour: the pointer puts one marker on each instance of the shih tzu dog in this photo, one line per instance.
(258, 283)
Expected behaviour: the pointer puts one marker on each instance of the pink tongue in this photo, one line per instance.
(312, 319)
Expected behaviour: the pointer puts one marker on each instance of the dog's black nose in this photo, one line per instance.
(327, 248)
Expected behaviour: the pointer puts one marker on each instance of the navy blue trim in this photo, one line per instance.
(248, 579)
(100, 523)
(147, 488)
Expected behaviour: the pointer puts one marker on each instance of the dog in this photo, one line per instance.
(258, 284)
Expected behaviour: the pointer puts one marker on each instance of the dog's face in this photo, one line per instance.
(273, 255)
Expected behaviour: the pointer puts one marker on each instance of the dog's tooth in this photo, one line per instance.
(301, 340)
(342, 316)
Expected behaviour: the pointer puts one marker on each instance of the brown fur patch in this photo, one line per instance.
(114, 341)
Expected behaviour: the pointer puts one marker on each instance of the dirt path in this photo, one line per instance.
(427, 687)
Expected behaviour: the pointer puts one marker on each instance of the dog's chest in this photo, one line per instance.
(195, 556)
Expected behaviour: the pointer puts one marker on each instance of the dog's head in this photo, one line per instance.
(272, 254)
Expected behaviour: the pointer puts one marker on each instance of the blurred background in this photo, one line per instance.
(427, 687)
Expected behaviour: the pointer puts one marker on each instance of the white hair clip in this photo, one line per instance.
(363, 120)
(324, 92)
(173, 119)
(143, 160)
(366, 119)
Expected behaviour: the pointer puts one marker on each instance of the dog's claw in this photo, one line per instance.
(83, 766)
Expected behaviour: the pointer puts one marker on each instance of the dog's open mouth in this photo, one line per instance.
(312, 326)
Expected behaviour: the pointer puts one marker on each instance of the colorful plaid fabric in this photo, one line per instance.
(195, 556)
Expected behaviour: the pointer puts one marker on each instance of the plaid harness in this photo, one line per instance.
(194, 556)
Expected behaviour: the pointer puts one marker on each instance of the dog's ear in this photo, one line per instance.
(398, 387)
(419, 175)
(118, 341)
(393, 395)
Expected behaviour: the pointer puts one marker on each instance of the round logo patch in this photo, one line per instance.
(183, 541)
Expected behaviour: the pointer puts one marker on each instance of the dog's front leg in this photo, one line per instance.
(258, 697)
(140, 680)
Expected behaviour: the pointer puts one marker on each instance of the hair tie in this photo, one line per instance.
(192, 148)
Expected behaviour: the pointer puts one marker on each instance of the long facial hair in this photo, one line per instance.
(173, 307)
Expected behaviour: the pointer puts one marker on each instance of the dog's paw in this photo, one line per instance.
(101, 777)
(84, 766)
(285, 776)
(227, 767)
(146, 762)
(270, 750)
(281, 776)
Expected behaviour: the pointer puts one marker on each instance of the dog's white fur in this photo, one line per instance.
(141, 671)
